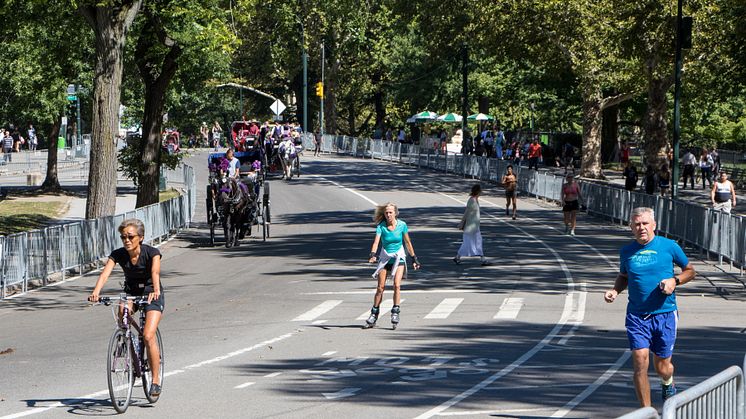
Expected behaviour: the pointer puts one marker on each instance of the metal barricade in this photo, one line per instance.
(720, 396)
(50, 253)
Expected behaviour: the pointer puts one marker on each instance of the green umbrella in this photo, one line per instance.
(480, 117)
(450, 117)
(425, 116)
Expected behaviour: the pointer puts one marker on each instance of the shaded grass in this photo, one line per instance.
(17, 216)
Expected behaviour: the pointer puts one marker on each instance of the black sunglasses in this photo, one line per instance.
(124, 237)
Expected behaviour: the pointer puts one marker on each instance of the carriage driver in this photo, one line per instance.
(233, 164)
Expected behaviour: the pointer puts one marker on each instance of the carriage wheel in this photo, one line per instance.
(212, 234)
(266, 218)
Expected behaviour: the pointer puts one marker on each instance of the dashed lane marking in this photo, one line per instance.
(244, 385)
(509, 309)
(317, 311)
(445, 308)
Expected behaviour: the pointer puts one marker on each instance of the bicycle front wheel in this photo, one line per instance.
(120, 371)
(147, 376)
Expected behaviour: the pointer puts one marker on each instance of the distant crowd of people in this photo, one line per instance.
(13, 140)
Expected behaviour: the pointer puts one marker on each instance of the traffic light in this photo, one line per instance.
(320, 89)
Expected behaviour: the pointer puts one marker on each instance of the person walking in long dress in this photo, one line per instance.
(472, 243)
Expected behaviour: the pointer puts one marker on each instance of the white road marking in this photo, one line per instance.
(384, 308)
(566, 313)
(345, 392)
(272, 375)
(244, 385)
(319, 322)
(330, 353)
(193, 366)
(438, 291)
(591, 388)
(493, 412)
(509, 309)
(445, 308)
(317, 311)
(347, 189)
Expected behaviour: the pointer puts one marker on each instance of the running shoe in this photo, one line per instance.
(457, 261)
(572, 232)
(514, 216)
(667, 391)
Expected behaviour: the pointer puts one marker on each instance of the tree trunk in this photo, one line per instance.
(157, 74)
(52, 182)
(655, 125)
(610, 134)
(592, 123)
(110, 25)
(351, 119)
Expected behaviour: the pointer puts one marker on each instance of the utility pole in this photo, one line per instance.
(79, 137)
(321, 112)
(676, 102)
(465, 83)
(305, 76)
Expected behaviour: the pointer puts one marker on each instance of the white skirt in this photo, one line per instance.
(472, 245)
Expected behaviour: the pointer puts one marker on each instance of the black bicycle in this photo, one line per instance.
(127, 358)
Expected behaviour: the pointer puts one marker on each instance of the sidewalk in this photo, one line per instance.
(695, 196)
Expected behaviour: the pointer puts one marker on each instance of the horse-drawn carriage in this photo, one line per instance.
(237, 204)
(283, 156)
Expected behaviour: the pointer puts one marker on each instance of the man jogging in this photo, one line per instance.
(646, 266)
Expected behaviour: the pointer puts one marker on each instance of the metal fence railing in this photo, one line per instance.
(693, 225)
(38, 257)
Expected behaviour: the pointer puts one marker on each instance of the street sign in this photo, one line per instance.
(277, 107)
(72, 97)
(71, 89)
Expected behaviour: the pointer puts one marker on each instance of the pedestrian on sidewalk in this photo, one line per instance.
(689, 162)
(630, 176)
(509, 182)
(7, 142)
(393, 235)
(317, 142)
(705, 166)
(664, 180)
(649, 180)
(570, 203)
(646, 267)
(472, 237)
(723, 194)
(534, 154)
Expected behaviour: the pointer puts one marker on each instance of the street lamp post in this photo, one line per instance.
(676, 103)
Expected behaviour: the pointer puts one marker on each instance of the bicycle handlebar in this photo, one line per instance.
(136, 300)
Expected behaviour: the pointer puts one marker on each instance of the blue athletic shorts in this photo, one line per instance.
(655, 331)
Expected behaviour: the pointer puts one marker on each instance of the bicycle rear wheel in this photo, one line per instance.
(121, 375)
(147, 375)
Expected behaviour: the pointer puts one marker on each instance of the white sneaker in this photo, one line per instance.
(572, 232)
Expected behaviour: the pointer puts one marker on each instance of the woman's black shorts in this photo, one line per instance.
(509, 194)
(571, 206)
(157, 305)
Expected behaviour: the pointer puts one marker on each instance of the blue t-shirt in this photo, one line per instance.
(646, 266)
(392, 240)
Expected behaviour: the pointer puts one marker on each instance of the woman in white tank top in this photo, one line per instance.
(723, 194)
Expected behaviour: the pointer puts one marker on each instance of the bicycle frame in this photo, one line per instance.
(126, 322)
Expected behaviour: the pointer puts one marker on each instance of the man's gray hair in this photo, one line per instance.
(641, 210)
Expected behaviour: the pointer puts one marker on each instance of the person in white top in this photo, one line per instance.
(690, 162)
(233, 164)
(472, 238)
(723, 194)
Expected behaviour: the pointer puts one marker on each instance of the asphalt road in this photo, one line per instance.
(273, 329)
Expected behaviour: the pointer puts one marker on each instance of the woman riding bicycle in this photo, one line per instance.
(142, 273)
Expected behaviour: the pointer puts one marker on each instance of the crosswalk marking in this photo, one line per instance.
(384, 308)
(244, 385)
(509, 308)
(317, 311)
(445, 308)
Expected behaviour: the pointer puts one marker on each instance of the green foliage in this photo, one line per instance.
(131, 162)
